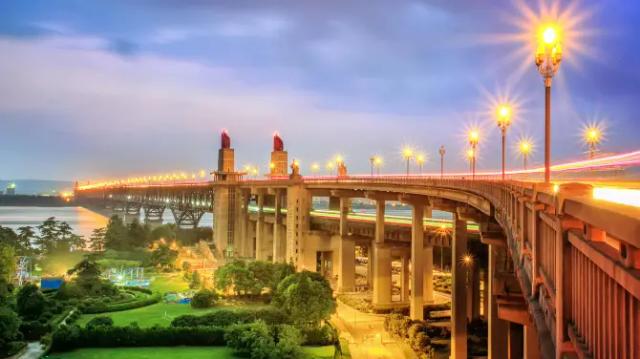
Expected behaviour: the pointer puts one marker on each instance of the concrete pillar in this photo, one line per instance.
(428, 212)
(260, 235)
(459, 290)
(428, 274)
(417, 263)
(515, 341)
(245, 242)
(380, 206)
(370, 265)
(405, 276)
(278, 231)
(498, 328)
(485, 294)
(344, 212)
(347, 276)
(475, 297)
(381, 276)
(531, 343)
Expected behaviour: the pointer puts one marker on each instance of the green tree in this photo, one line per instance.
(9, 237)
(234, 276)
(48, 237)
(88, 278)
(26, 235)
(251, 340)
(168, 232)
(9, 325)
(97, 239)
(163, 257)
(195, 281)
(116, 234)
(307, 297)
(203, 299)
(7, 262)
(138, 234)
(289, 344)
(30, 302)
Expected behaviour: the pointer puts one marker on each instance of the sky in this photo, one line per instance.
(110, 89)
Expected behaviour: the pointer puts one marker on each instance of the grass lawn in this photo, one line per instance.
(160, 314)
(168, 282)
(172, 352)
(147, 353)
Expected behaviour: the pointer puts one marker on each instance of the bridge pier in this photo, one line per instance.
(381, 261)
(279, 249)
(416, 301)
(260, 235)
(347, 276)
(153, 214)
(498, 328)
(459, 282)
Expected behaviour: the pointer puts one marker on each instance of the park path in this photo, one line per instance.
(366, 335)
(34, 351)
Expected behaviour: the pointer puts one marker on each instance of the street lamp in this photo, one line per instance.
(407, 154)
(315, 167)
(474, 138)
(471, 156)
(339, 162)
(376, 162)
(592, 136)
(330, 166)
(548, 57)
(420, 160)
(504, 121)
(442, 151)
(525, 147)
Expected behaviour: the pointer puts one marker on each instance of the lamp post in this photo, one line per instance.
(372, 161)
(474, 138)
(420, 160)
(504, 121)
(548, 57)
(592, 137)
(407, 153)
(525, 146)
(470, 155)
(442, 151)
(339, 163)
(377, 163)
(315, 168)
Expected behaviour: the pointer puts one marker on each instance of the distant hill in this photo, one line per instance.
(29, 186)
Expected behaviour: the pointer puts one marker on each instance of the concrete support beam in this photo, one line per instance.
(459, 279)
(428, 274)
(515, 341)
(260, 235)
(531, 343)
(380, 207)
(344, 212)
(381, 276)
(417, 262)
(498, 328)
(347, 276)
(278, 230)
(406, 282)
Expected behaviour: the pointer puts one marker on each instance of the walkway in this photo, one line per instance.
(366, 335)
(34, 351)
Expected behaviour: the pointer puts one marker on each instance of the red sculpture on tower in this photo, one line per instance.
(278, 145)
(225, 140)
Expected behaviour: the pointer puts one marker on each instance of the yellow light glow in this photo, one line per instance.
(504, 115)
(556, 188)
(272, 165)
(202, 173)
(474, 136)
(470, 154)
(330, 165)
(421, 159)
(525, 146)
(467, 259)
(315, 167)
(377, 160)
(629, 197)
(407, 152)
(592, 134)
(550, 34)
(339, 159)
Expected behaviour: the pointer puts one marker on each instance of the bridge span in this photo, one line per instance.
(562, 267)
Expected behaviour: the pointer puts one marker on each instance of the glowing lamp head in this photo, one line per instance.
(470, 154)
(504, 115)
(420, 158)
(467, 259)
(272, 165)
(550, 35)
(549, 50)
(377, 160)
(315, 167)
(339, 159)
(407, 152)
(474, 137)
(525, 147)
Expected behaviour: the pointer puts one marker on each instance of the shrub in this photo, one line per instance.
(97, 306)
(34, 329)
(73, 336)
(323, 335)
(289, 342)
(30, 302)
(203, 299)
(227, 317)
(253, 340)
(100, 321)
(9, 326)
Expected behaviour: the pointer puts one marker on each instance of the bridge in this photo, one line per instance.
(562, 277)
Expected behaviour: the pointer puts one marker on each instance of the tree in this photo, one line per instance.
(234, 276)
(30, 301)
(97, 239)
(48, 235)
(289, 344)
(26, 235)
(138, 234)
(9, 326)
(163, 257)
(7, 262)
(203, 299)
(88, 278)
(116, 234)
(195, 281)
(99, 321)
(307, 297)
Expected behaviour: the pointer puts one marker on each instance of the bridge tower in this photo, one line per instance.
(279, 158)
(228, 202)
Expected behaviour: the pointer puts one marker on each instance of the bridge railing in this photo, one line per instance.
(581, 257)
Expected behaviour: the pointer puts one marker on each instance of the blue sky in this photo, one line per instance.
(95, 89)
